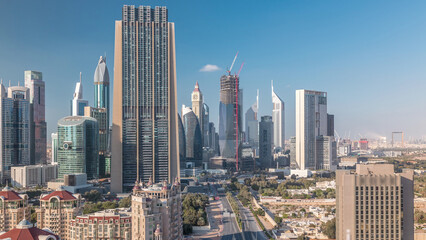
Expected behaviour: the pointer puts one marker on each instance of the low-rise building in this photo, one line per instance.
(13, 209)
(157, 211)
(33, 175)
(56, 211)
(108, 224)
(26, 231)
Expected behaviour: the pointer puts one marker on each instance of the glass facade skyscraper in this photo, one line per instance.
(78, 152)
(145, 127)
(278, 118)
(34, 82)
(252, 125)
(193, 137)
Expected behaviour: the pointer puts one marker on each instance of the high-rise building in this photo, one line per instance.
(197, 105)
(78, 103)
(247, 158)
(34, 82)
(278, 118)
(14, 209)
(191, 127)
(145, 140)
(330, 125)
(230, 108)
(101, 115)
(182, 143)
(15, 128)
(205, 127)
(57, 210)
(374, 203)
(266, 136)
(252, 124)
(326, 153)
(78, 146)
(213, 139)
(107, 224)
(54, 137)
(101, 80)
(311, 122)
(157, 211)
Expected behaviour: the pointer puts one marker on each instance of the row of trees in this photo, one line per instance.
(194, 211)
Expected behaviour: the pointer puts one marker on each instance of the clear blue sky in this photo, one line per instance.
(370, 56)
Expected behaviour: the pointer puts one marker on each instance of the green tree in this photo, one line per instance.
(329, 228)
(93, 196)
(125, 202)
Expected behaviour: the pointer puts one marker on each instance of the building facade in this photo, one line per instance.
(78, 103)
(374, 203)
(194, 142)
(54, 157)
(198, 105)
(230, 108)
(266, 136)
(78, 146)
(34, 82)
(107, 224)
(26, 231)
(13, 209)
(278, 118)
(101, 81)
(145, 139)
(326, 148)
(57, 210)
(157, 208)
(33, 175)
(252, 125)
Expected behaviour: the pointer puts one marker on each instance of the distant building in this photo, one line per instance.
(145, 141)
(14, 208)
(375, 203)
(230, 109)
(73, 183)
(26, 231)
(34, 82)
(217, 163)
(33, 175)
(101, 81)
(54, 137)
(56, 211)
(252, 125)
(205, 126)
(182, 143)
(107, 224)
(78, 142)
(330, 125)
(363, 144)
(266, 131)
(278, 118)
(101, 115)
(157, 211)
(293, 162)
(198, 106)
(78, 103)
(247, 158)
(326, 153)
(194, 141)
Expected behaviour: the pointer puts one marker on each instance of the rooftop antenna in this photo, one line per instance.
(9, 83)
(257, 99)
(80, 77)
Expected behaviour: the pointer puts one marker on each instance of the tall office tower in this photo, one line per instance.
(252, 124)
(191, 127)
(326, 152)
(278, 118)
(330, 125)
(293, 163)
(57, 210)
(182, 143)
(101, 115)
(34, 82)
(77, 103)
(157, 206)
(205, 127)
(247, 158)
(374, 203)
(101, 79)
(54, 137)
(14, 209)
(266, 136)
(78, 146)
(197, 104)
(21, 116)
(212, 137)
(230, 108)
(311, 121)
(145, 141)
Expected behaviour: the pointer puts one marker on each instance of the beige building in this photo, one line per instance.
(374, 203)
(13, 209)
(56, 211)
(156, 211)
(33, 175)
(108, 224)
(197, 105)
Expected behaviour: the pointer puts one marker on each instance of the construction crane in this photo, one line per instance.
(232, 65)
(402, 137)
(237, 77)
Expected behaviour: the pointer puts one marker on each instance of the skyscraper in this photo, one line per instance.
(278, 118)
(182, 143)
(100, 114)
(34, 82)
(266, 136)
(78, 141)
(191, 127)
(252, 124)
(230, 108)
(77, 103)
(101, 80)
(374, 203)
(311, 122)
(145, 126)
(205, 128)
(54, 137)
(197, 105)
